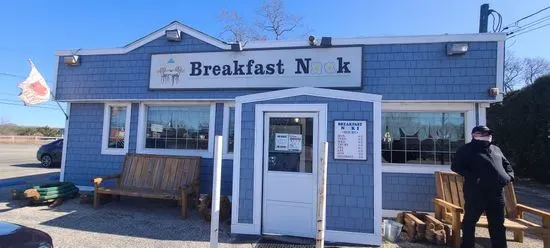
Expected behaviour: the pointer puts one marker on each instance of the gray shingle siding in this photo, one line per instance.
(407, 191)
(84, 160)
(350, 190)
(398, 72)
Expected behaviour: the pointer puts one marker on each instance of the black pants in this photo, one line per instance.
(491, 202)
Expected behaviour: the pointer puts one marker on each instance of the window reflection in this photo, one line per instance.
(117, 126)
(177, 127)
(421, 137)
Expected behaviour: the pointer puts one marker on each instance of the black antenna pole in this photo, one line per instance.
(483, 18)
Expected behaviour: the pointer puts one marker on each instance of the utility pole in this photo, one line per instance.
(483, 18)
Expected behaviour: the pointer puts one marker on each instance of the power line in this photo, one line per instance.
(10, 75)
(525, 17)
(530, 30)
(531, 24)
(14, 104)
(16, 101)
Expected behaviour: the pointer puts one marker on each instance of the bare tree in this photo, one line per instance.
(275, 19)
(533, 68)
(512, 71)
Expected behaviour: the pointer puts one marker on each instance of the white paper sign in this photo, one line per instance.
(336, 67)
(157, 128)
(281, 142)
(350, 140)
(295, 142)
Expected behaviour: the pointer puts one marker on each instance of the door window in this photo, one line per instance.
(290, 144)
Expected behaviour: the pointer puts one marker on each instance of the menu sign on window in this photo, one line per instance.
(350, 140)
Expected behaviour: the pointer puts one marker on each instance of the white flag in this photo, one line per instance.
(34, 89)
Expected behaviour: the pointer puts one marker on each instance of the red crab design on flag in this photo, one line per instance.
(34, 89)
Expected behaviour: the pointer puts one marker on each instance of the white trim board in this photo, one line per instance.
(354, 237)
(65, 141)
(148, 38)
(499, 37)
(413, 168)
(382, 40)
(219, 100)
(500, 70)
(105, 150)
(310, 91)
(225, 130)
(142, 117)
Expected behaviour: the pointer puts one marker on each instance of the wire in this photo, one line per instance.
(523, 18)
(18, 101)
(530, 30)
(498, 23)
(10, 75)
(14, 104)
(529, 25)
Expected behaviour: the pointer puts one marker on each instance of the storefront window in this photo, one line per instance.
(117, 126)
(421, 137)
(177, 127)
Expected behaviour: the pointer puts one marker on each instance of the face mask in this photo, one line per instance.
(484, 138)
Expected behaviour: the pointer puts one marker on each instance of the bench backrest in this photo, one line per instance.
(449, 185)
(159, 172)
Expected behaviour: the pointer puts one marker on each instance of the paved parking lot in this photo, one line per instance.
(148, 223)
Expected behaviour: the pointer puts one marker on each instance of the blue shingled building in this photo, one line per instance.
(392, 109)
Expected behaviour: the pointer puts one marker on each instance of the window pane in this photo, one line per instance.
(177, 127)
(117, 126)
(290, 144)
(231, 133)
(421, 137)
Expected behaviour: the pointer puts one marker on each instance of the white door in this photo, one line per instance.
(290, 173)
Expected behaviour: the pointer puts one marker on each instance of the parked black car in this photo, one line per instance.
(50, 154)
(13, 235)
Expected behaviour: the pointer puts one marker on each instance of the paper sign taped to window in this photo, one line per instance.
(157, 128)
(281, 142)
(295, 142)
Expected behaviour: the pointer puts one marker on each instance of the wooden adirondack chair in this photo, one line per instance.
(449, 208)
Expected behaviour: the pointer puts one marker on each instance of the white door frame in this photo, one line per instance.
(315, 163)
(259, 139)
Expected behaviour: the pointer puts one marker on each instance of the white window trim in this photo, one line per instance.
(142, 118)
(225, 132)
(105, 150)
(469, 110)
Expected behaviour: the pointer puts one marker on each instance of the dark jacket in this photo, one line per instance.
(482, 165)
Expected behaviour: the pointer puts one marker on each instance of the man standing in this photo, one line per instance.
(486, 171)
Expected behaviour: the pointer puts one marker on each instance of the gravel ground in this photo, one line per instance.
(136, 222)
(154, 223)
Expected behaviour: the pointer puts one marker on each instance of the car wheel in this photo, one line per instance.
(46, 161)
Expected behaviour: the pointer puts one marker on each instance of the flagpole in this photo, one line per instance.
(59, 105)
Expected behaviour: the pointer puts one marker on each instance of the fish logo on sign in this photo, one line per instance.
(170, 72)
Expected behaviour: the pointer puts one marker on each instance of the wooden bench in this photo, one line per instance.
(154, 176)
(449, 208)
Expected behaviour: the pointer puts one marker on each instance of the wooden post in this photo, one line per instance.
(321, 199)
(216, 189)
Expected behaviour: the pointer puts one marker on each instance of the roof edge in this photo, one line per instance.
(379, 40)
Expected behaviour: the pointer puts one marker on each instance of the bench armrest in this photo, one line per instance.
(98, 180)
(445, 204)
(522, 208)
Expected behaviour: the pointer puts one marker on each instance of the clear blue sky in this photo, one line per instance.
(36, 29)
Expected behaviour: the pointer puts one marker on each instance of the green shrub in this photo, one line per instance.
(522, 129)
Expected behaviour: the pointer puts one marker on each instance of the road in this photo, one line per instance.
(19, 168)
